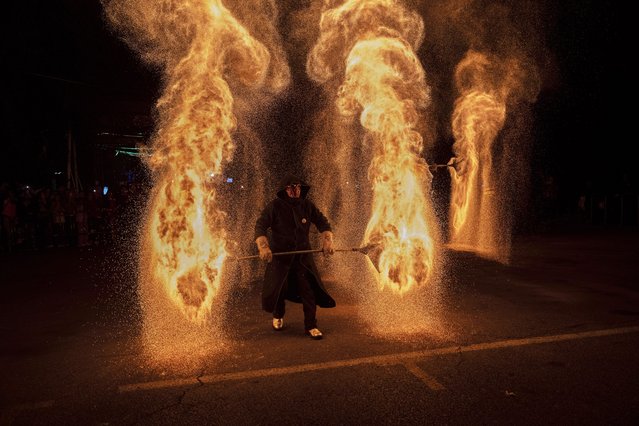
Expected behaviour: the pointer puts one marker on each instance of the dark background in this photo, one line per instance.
(65, 71)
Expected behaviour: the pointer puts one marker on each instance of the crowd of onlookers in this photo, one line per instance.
(35, 218)
(38, 218)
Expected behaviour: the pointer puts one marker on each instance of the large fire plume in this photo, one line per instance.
(203, 52)
(371, 45)
(479, 205)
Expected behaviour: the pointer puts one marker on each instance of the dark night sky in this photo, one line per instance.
(62, 68)
(580, 122)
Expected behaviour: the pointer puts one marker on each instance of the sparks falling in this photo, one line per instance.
(478, 117)
(478, 203)
(374, 42)
(199, 45)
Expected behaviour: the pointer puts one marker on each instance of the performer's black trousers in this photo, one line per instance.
(299, 277)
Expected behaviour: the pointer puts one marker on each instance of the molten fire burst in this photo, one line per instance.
(479, 115)
(385, 81)
(199, 44)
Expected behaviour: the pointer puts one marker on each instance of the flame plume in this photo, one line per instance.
(202, 49)
(373, 43)
(478, 210)
(477, 119)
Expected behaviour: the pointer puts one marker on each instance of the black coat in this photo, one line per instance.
(289, 220)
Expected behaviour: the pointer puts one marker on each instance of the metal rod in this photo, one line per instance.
(285, 253)
(282, 253)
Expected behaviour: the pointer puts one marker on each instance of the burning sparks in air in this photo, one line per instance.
(212, 65)
(201, 48)
(477, 118)
(195, 139)
(188, 241)
(374, 43)
(477, 210)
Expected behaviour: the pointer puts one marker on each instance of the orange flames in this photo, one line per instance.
(200, 46)
(374, 43)
(477, 209)
(478, 117)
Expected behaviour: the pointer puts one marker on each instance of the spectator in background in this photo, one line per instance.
(9, 215)
(110, 215)
(550, 194)
(69, 216)
(57, 213)
(81, 220)
(93, 216)
(27, 217)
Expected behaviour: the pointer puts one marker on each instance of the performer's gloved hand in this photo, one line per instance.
(327, 243)
(265, 251)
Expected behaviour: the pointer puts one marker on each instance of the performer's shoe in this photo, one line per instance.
(314, 333)
(278, 323)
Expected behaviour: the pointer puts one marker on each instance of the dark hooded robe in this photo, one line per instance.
(289, 220)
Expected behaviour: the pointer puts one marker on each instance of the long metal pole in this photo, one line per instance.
(284, 253)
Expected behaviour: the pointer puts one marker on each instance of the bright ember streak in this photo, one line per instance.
(200, 50)
(385, 81)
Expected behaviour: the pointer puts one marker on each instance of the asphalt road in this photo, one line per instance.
(550, 338)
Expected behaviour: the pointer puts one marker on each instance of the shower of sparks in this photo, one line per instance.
(373, 42)
(201, 48)
(478, 207)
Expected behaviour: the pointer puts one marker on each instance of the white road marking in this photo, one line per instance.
(390, 359)
(423, 376)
